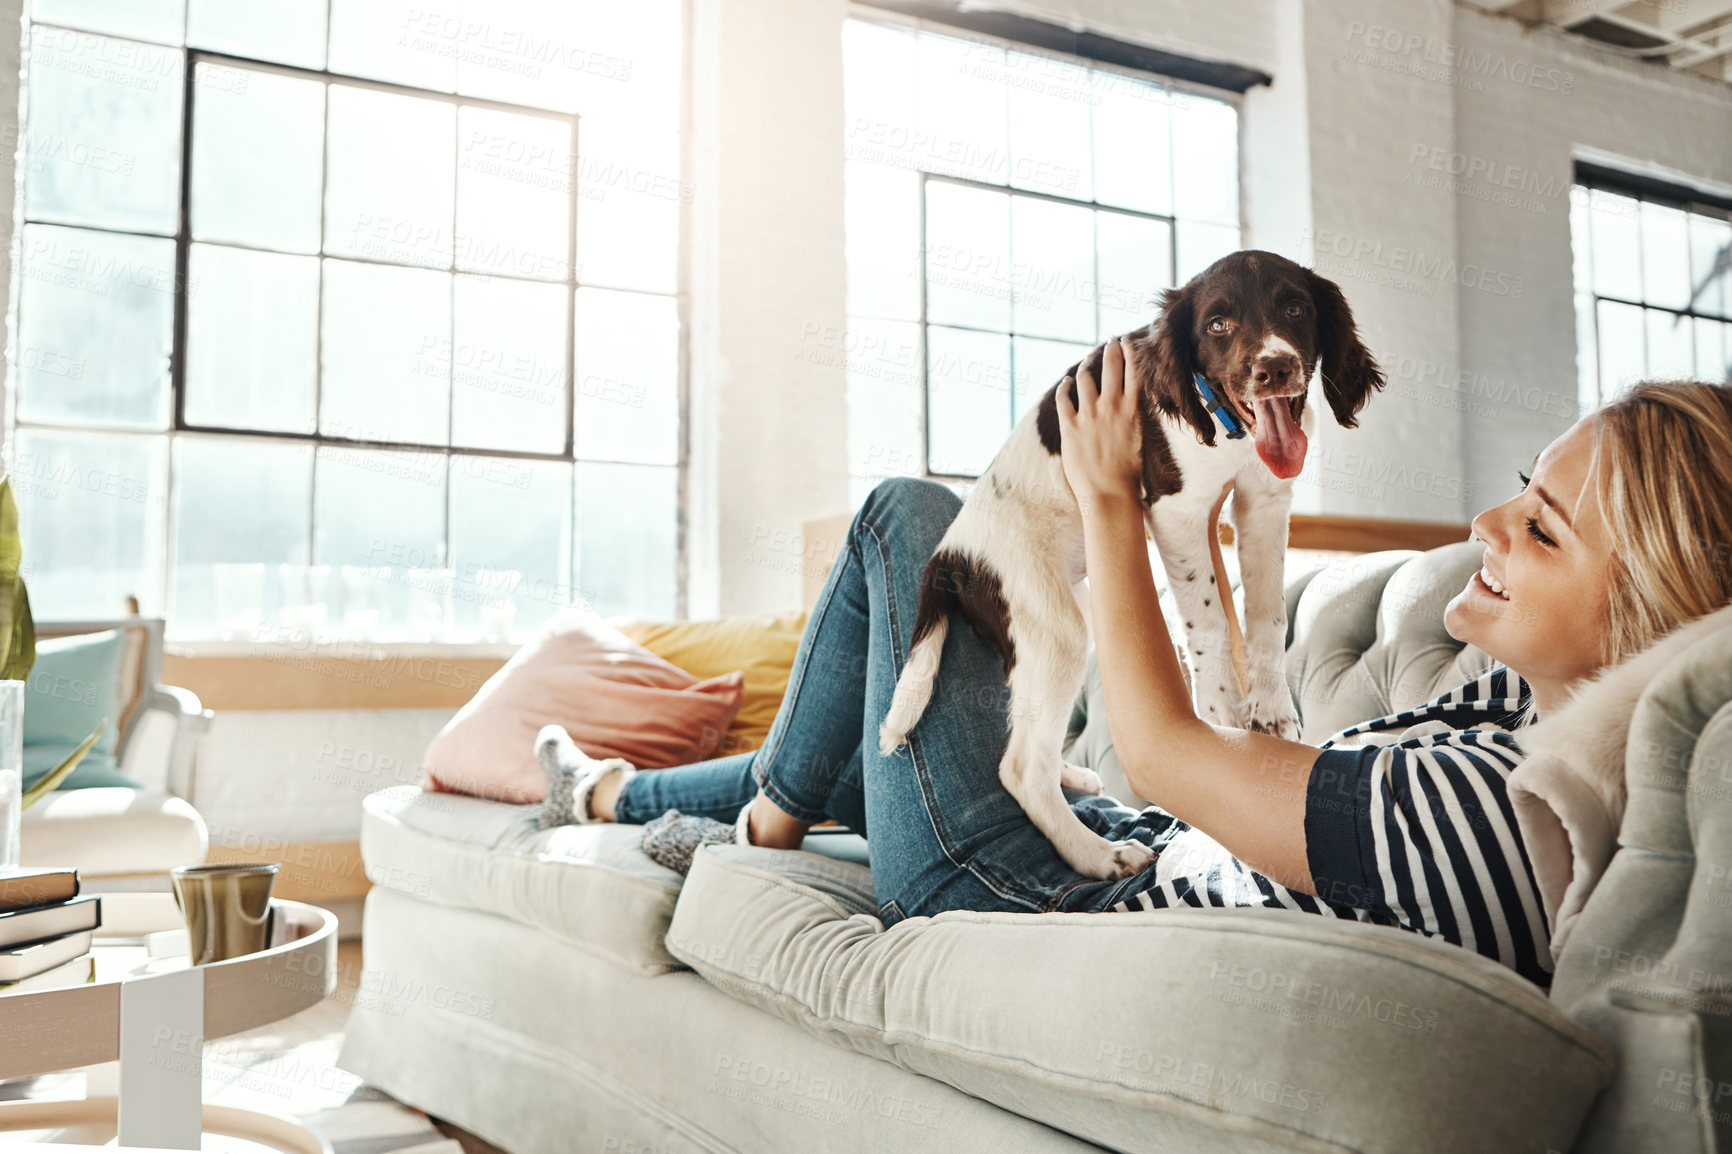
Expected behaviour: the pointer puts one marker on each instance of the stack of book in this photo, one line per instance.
(45, 930)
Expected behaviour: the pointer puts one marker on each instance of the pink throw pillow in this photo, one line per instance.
(615, 698)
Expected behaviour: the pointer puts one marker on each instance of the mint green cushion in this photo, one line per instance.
(74, 684)
(97, 769)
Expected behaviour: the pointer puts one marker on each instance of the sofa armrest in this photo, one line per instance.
(161, 747)
(1649, 962)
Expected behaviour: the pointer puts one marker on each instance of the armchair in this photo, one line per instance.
(128, 836)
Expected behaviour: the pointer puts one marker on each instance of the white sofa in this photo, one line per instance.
(556, 990)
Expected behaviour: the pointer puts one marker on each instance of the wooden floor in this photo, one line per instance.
(289, 1069)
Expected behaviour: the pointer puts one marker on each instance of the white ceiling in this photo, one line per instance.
(1688, 34)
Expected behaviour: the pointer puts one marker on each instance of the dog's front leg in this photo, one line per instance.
(1181, 532)
(1260, 509)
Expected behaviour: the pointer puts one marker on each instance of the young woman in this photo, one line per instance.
(1621, 534)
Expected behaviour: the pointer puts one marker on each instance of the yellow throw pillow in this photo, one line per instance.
(762, 647)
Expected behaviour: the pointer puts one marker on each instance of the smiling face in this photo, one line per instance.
(1539, 603)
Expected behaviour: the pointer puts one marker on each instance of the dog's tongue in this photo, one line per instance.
(1280, 441)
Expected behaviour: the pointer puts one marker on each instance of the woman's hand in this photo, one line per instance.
(1100, 438)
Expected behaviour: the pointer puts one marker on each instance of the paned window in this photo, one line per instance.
(357, 319)
(1006, 210)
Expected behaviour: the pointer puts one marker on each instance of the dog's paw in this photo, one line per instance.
(1108, 861)
(1273, 719)
(1078, 778)
(1130, 858)
(1287, 728)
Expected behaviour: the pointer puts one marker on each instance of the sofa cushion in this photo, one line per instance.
(615, 698)
(762, 647)
(1366, 636)
(589, 884)
(94, 770)
(541, 1048)
(73, 686)
(109, 831)
(1280, 1027)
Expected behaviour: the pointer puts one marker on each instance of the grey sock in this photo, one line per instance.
(671, 839)
(571, 777)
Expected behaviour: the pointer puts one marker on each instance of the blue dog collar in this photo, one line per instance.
(1222, 410)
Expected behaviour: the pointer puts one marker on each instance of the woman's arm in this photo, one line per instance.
(1246, 790)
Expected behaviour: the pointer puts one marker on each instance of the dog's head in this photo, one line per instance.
(1256, 326)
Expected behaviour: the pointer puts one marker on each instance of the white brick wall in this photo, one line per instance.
(768, 428)
(1670, 123)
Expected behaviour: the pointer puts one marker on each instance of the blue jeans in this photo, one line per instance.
(941, 830)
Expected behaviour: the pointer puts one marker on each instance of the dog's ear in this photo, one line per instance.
(1167, 363)
(1350, 373)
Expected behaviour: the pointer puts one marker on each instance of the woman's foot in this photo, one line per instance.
(576, 781)
(672, 839)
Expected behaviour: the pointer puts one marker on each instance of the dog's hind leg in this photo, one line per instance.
(1051, 649)
(948, 575)
(1079, 778)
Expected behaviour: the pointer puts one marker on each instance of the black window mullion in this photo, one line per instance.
(386, 86)
(1640, 191)
(177, 340)
(319, 305)
(450, 383)
(925, 344)
(451, 344)
(1593, 300)
(571, 304)
(313, 507)
(182, 255)
(1035, 194)
(357, 442)
(1173, 193)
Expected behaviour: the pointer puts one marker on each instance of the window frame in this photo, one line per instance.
(1032, 37)
(160, 529)
(183, 254)
(1590, 177)
(1010, 334)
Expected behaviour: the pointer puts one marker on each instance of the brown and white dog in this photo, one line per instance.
(1247, 332)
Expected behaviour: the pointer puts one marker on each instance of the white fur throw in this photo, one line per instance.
(1569, 791)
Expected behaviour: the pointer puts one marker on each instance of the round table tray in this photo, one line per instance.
(59, 1029)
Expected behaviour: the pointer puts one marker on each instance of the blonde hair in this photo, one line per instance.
(1662, 470)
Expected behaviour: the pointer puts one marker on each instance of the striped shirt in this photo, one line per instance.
(1408, 823)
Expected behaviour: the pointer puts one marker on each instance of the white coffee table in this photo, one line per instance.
(47, 1030)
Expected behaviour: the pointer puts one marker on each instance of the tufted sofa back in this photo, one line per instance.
(1648, 965)
(1365, 635)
